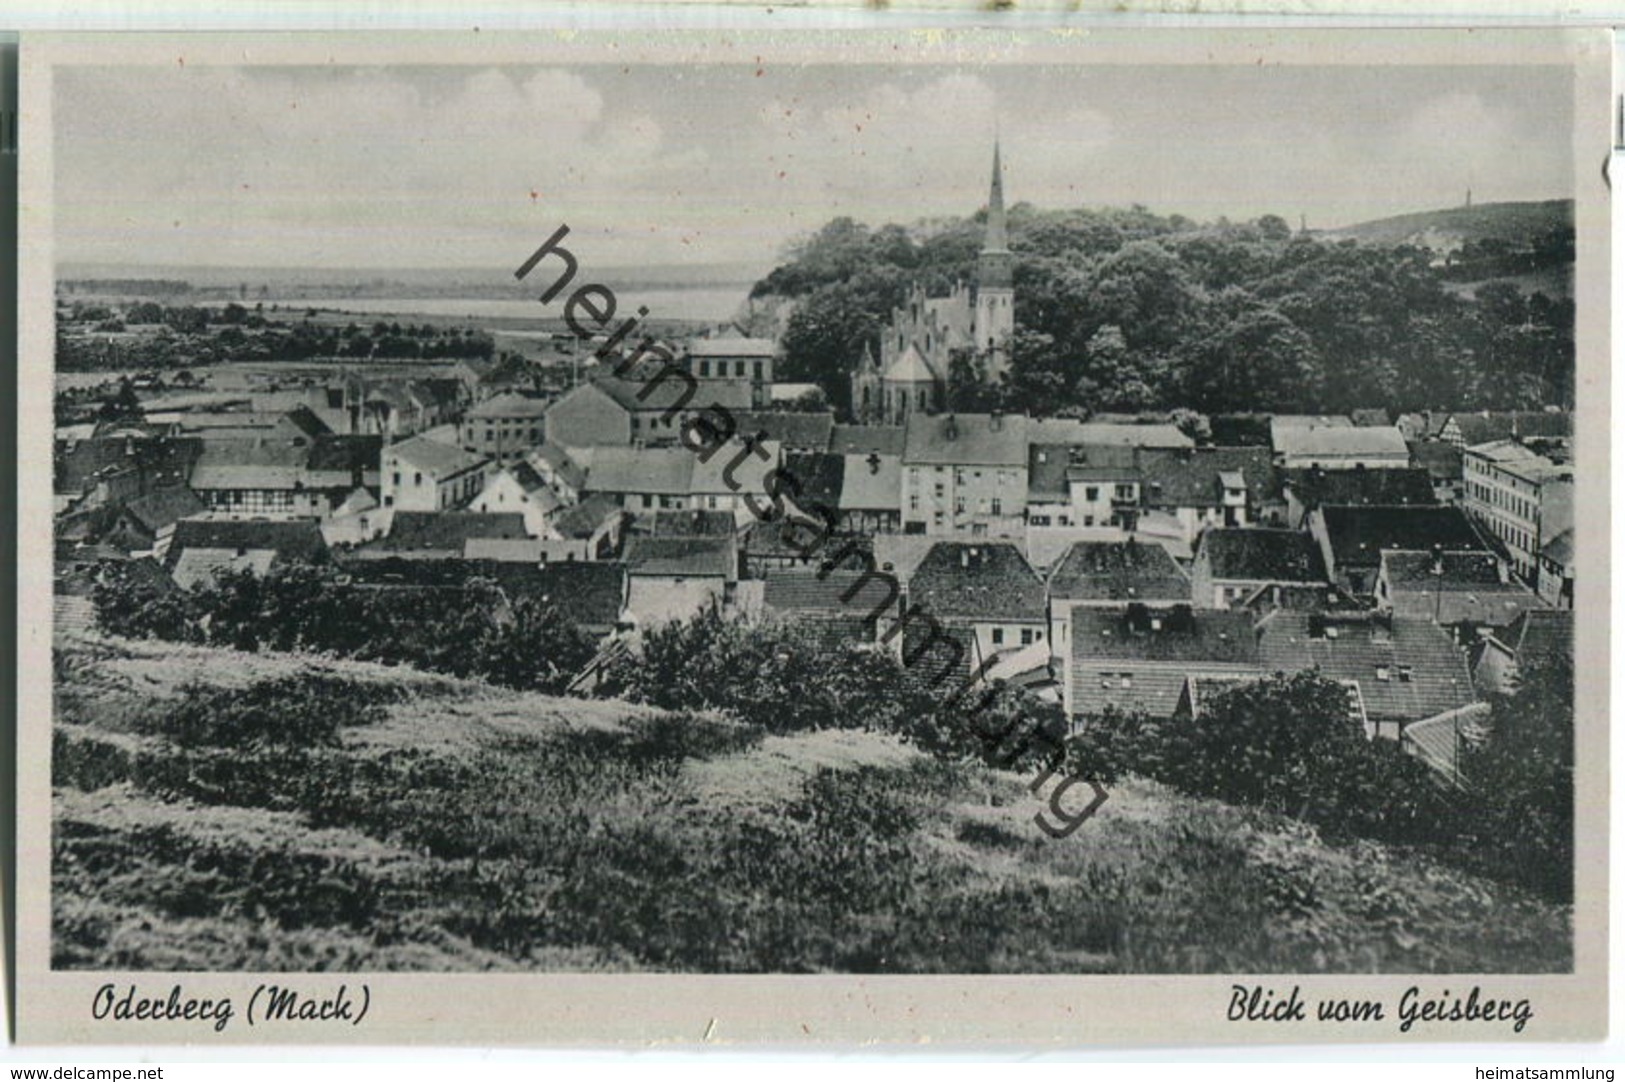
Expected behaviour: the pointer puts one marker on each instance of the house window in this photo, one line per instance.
(1382, 673)
(1125, 680)
(1404, 674)
(705, 368)
(757, 371)
(1026, 636)
(648, 502)
(1091, 494)
(998, 636)
(998, 506)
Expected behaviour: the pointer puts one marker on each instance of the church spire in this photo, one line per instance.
(997, 239)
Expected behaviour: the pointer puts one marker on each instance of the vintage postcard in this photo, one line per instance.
(1069, 538)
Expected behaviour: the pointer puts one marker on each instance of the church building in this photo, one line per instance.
(927, 334)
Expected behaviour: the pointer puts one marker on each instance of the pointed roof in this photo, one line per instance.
(911, 367)
(997, 237)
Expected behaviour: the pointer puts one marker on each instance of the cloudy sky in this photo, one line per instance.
(472, 167)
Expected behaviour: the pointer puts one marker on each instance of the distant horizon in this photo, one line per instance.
(742, 270)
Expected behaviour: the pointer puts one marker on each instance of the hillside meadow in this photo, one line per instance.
(231, 811)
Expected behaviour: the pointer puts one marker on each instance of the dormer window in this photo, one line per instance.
(1382, 673)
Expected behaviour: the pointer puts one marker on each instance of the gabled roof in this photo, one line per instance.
(977, 581)
(866, 439)
(345, 453)
(1296, 441)
(1390, 487)
(731, 471)
(1560, 549)
(194, 567)
(1541, 633)
(1139, 659)
(978, 439)
(910, 367)
(440, 459)
(529, 481)
(582, 520)
(559, 460)
(1259, 554)
(303, 419)
(1407, 668)
(1359, 535)
(297, 539)
(848, 593)
(250, 464)
(789, 427)
(1118, 571)
(163, 507)
(1300, 598)
(871, 482)
(448, 530)
(1192, 478)
(1454, 588)
(710, 557)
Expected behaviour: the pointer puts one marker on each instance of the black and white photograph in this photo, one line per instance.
(759, 508)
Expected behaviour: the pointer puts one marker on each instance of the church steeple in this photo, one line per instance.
(997, 237)
(995, 314)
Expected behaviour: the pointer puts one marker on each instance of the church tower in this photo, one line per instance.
(995, 284)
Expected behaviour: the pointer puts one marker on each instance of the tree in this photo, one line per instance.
(1521, 779)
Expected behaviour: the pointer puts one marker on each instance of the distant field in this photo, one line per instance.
(449, 825)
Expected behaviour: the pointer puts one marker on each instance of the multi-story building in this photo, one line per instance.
(505, 428)
(1521, 495)
(421, 474)
(736, 359)
(964, 473)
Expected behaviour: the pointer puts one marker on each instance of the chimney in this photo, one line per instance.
(874, 462)
(950, 427)
(995, 420)
(964, 557)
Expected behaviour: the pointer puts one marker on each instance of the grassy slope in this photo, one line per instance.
(1515, 223)
(719, 856)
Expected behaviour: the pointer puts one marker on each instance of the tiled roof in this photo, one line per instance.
(556, 458)
(195, 567)
(731, 471)
(681, 556)
(1484, 427)
(250, 464)
(1118, 571)
(582, 520)
(1390, 487)
(509, 404)
(1096, 434)
(441, 459)
(290, 540)
(302, 418)
(871, 482)
(1300, 598)
(977, 580)
(448, 530)
(692, 524)
(791, 428)
(1377, 653)
(1560, 549)
(864, 439)
(158, 509)
(1438, 741)
(1257, 554)
(1521, 460)
(1360, 534)
(965, 438)
(810, 592)
(666, 471)
(1294, 441)
(1176, 634)
(1191, 478)
(345, 453)
(1542, 633)
(1449, 570)
(529, 480)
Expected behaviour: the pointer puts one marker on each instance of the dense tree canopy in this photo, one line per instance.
(1127, 310)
